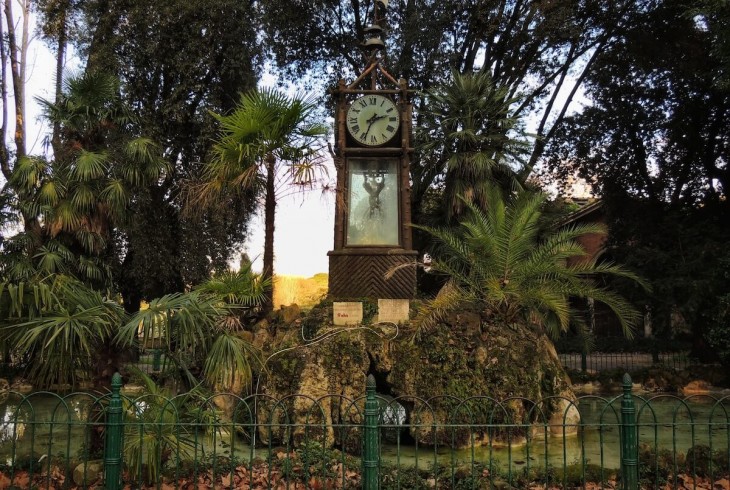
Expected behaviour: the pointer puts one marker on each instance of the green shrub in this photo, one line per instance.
(656, 468)
(398, 477)
(718, 333)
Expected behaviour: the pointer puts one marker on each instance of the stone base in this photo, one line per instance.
(372, 273)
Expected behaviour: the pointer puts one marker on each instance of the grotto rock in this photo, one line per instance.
(466, 369)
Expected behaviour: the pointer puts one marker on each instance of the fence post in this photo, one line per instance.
(629, 440)
(156, 360)
(583, 362)
(113, 443)
(655, 352)
(371, 451)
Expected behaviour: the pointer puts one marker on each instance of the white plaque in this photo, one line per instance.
(347, 313)
(393, 310)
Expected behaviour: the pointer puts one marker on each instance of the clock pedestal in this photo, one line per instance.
(372, 273)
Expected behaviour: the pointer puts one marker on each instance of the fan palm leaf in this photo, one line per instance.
(195, 323)
(182, 320)
(229, 362)
(240, 288)
(62, 324)
(89, 165)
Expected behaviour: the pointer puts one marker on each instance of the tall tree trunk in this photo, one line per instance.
(60, 55)
(17, 54)
(269, 217)
(4, 152)
(17, 69)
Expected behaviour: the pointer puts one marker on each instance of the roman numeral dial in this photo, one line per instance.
(373, 120)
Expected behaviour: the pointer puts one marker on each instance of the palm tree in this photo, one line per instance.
(84, 192)
(498, 260)
(199, 329)
(59, 327)
(160, 425)
(56, 326)
(469, 138)
(268, 137)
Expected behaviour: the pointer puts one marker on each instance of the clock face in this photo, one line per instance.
(373, 120)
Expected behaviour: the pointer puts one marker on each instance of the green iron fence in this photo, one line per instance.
(373, 442)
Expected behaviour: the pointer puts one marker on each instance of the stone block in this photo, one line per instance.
(393, 310)
(347, 313)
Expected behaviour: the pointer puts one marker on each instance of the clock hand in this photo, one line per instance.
(372, 121)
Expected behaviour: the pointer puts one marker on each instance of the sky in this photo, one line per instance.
(304, 221)
(303, 236)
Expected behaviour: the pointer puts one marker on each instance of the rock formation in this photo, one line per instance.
(466, 370)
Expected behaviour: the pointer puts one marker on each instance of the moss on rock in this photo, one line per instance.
(465, 370)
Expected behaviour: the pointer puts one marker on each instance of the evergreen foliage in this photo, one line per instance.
(499, 260)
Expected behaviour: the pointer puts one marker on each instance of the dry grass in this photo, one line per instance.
(304, 291)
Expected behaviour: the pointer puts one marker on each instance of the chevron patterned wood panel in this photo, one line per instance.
(356, 276)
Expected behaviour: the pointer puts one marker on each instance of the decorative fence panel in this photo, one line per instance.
(193, 442)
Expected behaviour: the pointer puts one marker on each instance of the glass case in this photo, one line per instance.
(372, 213)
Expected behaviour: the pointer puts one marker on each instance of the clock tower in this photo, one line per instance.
(372, 255)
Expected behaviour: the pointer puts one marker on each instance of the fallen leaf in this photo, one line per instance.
(723, 484)
(21, 479)
(226, 480)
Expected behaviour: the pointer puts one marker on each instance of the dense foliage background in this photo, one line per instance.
(632, 96)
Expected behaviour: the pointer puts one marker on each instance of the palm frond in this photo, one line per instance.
(83, 197)
(64, 323)
(50, 192)
(241, 288)
(117, 195)
(266, 123)
(449, 298)
(90, 165)
(181, 319)
(228, 362)
(497, 257)
(28, 173)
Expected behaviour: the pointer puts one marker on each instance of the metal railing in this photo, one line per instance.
(626, 361)
(371, 442)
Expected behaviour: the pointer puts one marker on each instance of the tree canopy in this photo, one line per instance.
(178, 62)
(650, 131)
(654, 144)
